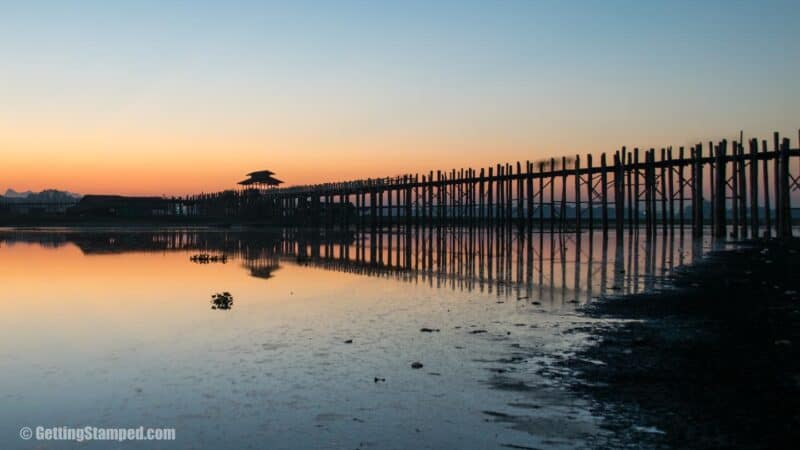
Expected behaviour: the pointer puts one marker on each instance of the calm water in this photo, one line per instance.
(115, 328)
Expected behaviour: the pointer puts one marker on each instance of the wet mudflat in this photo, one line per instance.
(711, 363)
(285, 339)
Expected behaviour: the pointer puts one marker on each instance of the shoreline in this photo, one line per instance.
(711, 361)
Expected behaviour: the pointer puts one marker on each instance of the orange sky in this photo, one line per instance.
(135, 164)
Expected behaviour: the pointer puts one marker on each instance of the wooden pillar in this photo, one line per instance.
(778, 190)
(429, 191)
(389, 192)
(604, 192)
(490, 192)
(740, 159)
(541, 198)
(481, 195)
(634, 205)
(628, 174)
(648, 209)
(720, 214)
(754, 213)
(698, 232)
(663, 190)
(563, 211)
(552, 195)
(681, 185)
(373, 207)
(509, 195)
(529, 193)
(577, 193)
(767, 212)
(671, 192)
(786, 204)
(618, 198)
(735, 188)
(520, 197)
(590, 191)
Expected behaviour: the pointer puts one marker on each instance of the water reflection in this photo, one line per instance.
(567, 268)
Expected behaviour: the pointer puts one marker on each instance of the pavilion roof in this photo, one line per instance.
(260, 173)
(265, 179)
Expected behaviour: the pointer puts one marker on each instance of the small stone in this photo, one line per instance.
(349, 341)
(416, 365)
(429, 330)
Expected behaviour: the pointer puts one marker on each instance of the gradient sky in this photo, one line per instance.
(164, 97)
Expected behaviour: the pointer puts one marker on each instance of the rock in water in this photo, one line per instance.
(416, 365)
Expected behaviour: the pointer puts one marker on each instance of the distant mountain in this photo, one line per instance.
(47, 195)
(10, 193)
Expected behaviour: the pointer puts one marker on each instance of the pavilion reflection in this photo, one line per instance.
(566, 268)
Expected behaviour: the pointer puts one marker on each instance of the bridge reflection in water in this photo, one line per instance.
(562, 268)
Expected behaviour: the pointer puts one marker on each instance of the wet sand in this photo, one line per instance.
(710, 362)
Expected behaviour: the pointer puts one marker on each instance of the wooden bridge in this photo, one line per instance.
(740, 186)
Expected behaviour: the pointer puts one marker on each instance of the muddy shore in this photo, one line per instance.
(710, 362)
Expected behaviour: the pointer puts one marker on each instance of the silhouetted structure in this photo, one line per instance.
(720, 184)
(261, 179)
(120, 206)
(698, 186)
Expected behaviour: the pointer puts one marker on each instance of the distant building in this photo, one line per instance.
(120, 206)
(261, 179)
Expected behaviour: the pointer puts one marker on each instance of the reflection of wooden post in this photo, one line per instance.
(767, 212)
(720, 215)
